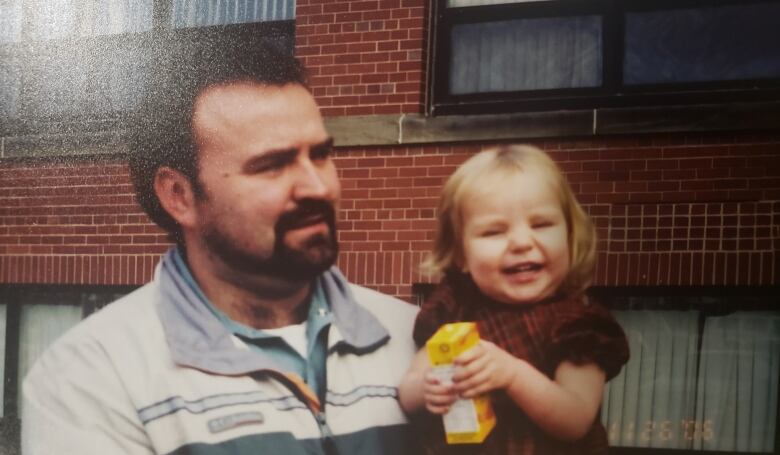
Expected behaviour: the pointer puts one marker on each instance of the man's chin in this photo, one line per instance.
(309, 260)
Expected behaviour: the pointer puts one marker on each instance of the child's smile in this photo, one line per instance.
(515, 239)
(522, 272)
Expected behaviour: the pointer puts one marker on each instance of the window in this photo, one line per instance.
(65, 61)
(31, 318)
(501, 55)
(703, 374)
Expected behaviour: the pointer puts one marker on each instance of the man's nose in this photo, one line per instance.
(312, 181)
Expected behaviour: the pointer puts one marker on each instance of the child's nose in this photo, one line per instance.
(521, 238)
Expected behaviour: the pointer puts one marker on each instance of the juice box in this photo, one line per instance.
(468, 420)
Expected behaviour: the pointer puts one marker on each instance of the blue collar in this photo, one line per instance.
(319, 305)
(197, 338)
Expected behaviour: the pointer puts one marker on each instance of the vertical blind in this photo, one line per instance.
(526, 54)
(688, 385)
(39, 326)
(196, 13)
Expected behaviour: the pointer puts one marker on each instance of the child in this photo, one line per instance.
(517, 252)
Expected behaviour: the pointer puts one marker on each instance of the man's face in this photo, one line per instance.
(269, 186)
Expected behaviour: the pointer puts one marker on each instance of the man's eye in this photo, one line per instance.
(269, 166)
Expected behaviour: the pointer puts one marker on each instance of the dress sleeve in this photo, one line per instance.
(440, 308)
(586, 332)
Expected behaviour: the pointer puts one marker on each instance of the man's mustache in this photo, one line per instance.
(307, 211)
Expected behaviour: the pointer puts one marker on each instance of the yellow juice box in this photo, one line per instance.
(468, 420)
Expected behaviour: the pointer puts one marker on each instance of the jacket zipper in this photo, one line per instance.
(299, 389)
(328, 444)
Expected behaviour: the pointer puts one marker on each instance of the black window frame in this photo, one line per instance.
(160, 36)
(611, 94)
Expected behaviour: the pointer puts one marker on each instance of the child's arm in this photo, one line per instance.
(565, 407)
(420, 388)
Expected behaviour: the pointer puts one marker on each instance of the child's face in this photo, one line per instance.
(515, 239)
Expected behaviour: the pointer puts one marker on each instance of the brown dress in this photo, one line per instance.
(544, 334)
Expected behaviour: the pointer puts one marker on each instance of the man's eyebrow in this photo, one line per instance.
(327, 143)
(282, 155)
(270, 157)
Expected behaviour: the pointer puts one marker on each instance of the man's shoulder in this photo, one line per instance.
(102, 333)
(128, 312)
(385, 307)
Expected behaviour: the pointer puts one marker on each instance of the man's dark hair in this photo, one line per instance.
(162, 132)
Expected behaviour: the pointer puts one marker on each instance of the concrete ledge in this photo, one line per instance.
(99, 139)
(420, 129)
(62, 144)
(364, 129)
(456, 128)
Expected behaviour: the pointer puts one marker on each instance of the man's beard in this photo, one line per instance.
(313, 257)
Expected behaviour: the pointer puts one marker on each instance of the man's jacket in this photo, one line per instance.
(156, 373)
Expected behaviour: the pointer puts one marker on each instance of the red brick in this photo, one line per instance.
(364, 5)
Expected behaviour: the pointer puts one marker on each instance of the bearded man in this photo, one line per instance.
(248, 339)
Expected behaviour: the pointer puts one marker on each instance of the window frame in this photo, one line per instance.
(611, 94)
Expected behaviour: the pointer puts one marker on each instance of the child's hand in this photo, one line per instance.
(438, 396)
(483, 368)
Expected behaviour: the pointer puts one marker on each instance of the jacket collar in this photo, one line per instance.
(199, 340)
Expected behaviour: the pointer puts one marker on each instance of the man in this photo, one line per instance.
(248, 340)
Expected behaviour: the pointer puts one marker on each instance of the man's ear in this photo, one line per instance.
(176, 195)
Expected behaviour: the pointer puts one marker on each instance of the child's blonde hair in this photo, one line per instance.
(489, 167)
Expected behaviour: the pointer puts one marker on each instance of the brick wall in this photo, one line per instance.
(672, 209)
(74, 223)
(677, 209)
(363, 57)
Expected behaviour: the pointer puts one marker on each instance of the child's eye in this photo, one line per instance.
(542, 224)
(490, 233)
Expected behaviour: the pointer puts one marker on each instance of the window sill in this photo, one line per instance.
(420, 129)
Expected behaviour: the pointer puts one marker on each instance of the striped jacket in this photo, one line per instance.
(156, 373)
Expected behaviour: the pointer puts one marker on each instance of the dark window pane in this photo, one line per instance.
(703, 44)
(197, 13)
(526, 54)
